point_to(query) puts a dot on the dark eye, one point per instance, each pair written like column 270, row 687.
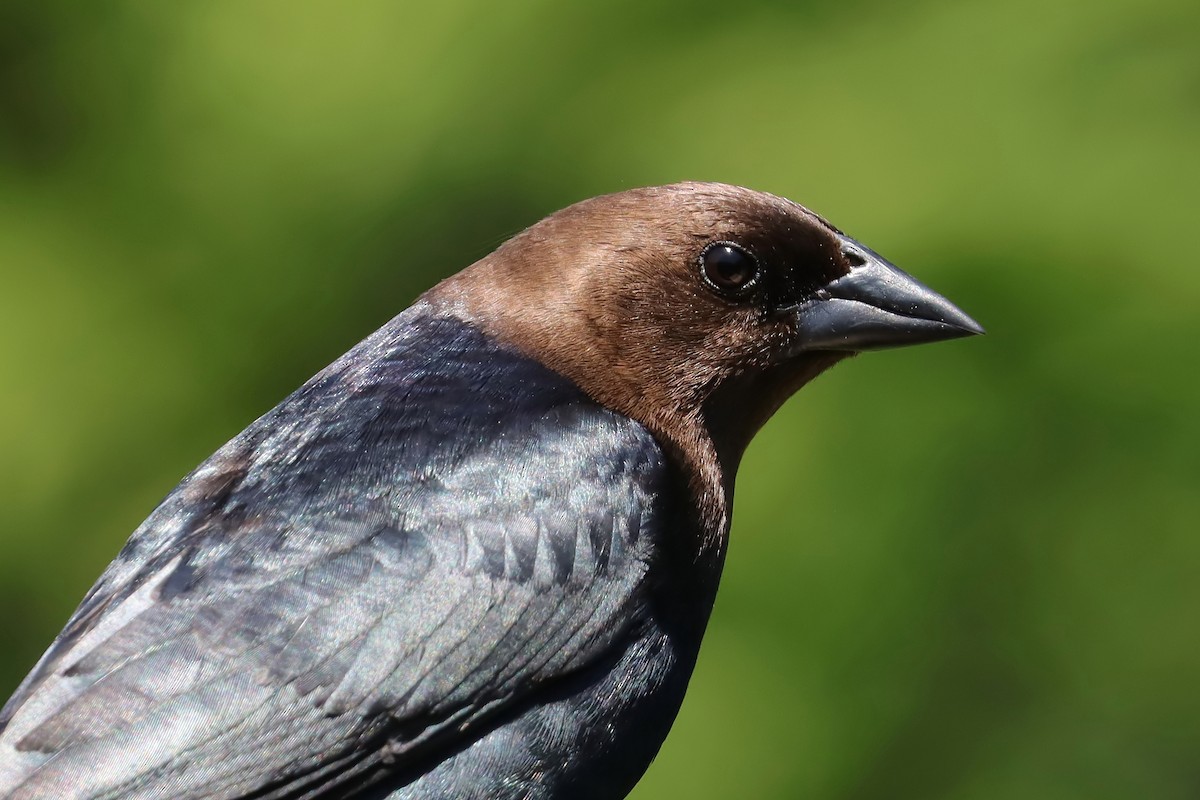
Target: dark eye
column 728, row 268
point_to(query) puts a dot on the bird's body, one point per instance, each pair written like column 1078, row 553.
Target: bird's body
column 457, row 563
column 497, row 556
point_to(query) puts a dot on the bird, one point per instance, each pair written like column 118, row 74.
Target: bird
column 475, row 556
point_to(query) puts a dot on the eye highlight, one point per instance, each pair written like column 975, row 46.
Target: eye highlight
column 729, row 269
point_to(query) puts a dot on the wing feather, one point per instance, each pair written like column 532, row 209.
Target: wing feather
column 377, row 567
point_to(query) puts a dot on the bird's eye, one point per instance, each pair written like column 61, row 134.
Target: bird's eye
column 729, row 269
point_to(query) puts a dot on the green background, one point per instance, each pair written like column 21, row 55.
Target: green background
column 968, row 570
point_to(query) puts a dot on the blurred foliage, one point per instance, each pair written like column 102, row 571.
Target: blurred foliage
column 958, row 571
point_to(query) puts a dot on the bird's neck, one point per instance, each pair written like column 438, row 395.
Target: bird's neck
column 735, row 412
column 560, row 340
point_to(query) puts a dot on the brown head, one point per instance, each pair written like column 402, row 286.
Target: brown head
column 695, row 309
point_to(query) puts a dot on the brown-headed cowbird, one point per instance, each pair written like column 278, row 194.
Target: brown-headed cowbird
column 475, row 556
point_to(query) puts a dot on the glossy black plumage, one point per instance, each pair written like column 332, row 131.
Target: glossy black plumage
column 432, row 535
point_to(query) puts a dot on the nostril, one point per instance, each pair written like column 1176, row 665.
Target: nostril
column 855, row 258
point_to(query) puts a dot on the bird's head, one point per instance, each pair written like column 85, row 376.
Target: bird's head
column 695, row 308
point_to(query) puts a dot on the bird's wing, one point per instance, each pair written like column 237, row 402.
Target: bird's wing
column 340, row 591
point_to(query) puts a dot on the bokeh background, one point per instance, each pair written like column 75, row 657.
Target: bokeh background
column 969, row 570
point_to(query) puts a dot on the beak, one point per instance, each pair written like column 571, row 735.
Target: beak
column 877, row 306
